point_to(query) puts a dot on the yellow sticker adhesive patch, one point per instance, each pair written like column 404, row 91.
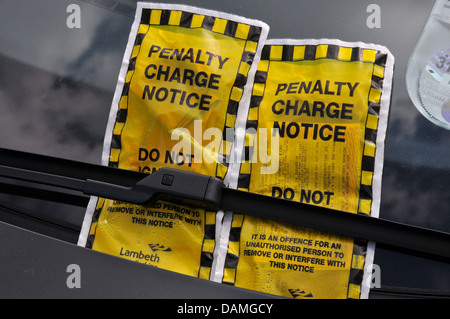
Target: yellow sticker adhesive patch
column 182, row 83
column 325, row 104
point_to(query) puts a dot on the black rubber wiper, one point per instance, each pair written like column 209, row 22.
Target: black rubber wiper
column 211, row 193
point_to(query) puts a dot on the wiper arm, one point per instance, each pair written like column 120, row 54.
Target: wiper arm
column 203, row 190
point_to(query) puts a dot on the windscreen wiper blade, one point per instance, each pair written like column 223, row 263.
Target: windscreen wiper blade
column 211, row 193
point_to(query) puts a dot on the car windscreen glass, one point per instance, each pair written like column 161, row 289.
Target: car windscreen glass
column 57, row 83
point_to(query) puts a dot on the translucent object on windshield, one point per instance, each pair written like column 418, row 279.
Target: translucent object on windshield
column 428, row 72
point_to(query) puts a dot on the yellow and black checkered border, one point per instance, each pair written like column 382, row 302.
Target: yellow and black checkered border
column 122, row 112
column 192, row 20
column 315, row 52
column 94, row 222
column 233, row 251
column 208, row 246
column 356, row 274
column 252, row 126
